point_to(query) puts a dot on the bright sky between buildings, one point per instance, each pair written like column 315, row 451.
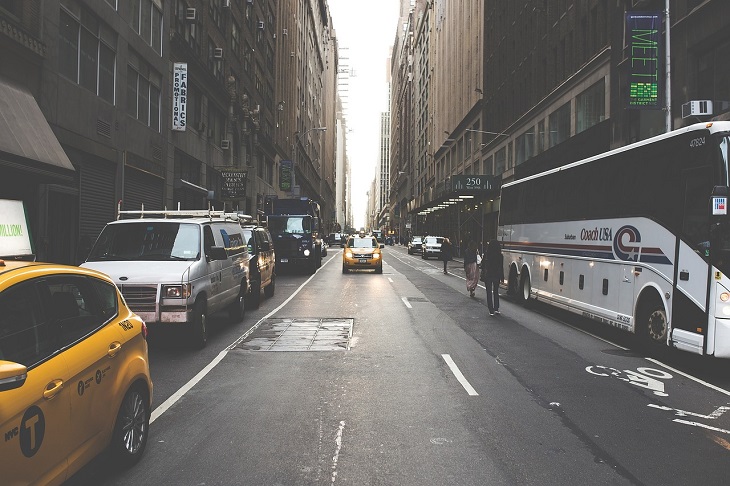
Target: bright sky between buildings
column 367, row 30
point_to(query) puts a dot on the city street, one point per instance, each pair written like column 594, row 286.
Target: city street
column 403, row 379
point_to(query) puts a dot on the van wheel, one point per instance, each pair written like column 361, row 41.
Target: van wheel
column 269, row 289
column 131, row 428
column 238, row 307
column 199, row 325
column 255, row 297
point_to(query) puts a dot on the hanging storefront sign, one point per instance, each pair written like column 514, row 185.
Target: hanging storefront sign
column 645, row 76
column 179, row 96
column 233, row 185
column 286, row 169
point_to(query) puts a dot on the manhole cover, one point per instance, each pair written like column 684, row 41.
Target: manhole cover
column 300, row 334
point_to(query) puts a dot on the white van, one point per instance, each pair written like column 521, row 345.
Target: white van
column 176, row 266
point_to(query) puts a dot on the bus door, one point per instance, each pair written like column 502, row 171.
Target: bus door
column 691, row 273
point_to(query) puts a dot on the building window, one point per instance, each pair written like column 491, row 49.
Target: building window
column 87, row 53
column 525, row 146
column 235, row 38
column 540, row 136
column 215, row 61
column 143, row 92
column 590, row 107
column 500, row 161
column 146, row 20
column 559, row 123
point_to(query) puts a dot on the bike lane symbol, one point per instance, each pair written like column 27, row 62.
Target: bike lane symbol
column 648, row 378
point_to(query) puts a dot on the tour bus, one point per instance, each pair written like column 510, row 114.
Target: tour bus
column 637, row 238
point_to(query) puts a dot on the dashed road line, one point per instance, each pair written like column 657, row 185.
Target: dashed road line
column 459, row 376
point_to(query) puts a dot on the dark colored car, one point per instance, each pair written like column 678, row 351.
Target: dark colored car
column 262, row 262
column 415, row 245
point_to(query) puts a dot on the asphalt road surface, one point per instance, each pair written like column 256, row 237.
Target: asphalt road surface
column 403, row 379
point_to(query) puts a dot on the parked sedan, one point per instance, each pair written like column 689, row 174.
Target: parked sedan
column 415, row 245
column 74, row 373
column 362, row 253
column 431, row 247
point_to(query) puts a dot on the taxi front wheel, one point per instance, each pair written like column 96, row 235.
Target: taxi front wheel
column 131, row 428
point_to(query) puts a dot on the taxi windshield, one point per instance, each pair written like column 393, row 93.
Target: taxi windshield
column 155, row 241
column 362, row 243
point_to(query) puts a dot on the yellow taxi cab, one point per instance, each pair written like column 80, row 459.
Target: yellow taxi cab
column 362, row 253
column 74, row 373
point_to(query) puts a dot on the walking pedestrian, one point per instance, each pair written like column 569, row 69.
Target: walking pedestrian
column 445, row 254
column 492, row 275
column 471, row 268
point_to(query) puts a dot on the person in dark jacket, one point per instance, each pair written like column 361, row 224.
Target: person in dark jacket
column 493, row 274
column 445, row 254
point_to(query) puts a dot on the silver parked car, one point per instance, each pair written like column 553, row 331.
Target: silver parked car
column 431, row 247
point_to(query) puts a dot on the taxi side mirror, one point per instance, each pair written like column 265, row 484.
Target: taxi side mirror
column 12, row 375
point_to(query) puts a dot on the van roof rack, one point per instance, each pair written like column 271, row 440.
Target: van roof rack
column 210, row 213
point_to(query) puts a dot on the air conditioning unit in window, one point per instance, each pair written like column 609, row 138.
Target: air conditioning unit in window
column 225, row 144
column 218, row 53
column 697, row 108
column 191, row 14
column 285, row 32
column 261, row 24
column 227, row 3
column 250, row 2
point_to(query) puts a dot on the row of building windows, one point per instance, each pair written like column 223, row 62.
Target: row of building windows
column 590, row 109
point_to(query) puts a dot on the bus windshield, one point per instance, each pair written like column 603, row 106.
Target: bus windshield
column 293, row 225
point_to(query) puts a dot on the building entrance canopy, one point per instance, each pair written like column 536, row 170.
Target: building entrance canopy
column 457, row 189
column 26, row 140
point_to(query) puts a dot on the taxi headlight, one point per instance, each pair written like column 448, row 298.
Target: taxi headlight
column 376, row 255
column 348, row 254
column 306, row 252
column 176, row 291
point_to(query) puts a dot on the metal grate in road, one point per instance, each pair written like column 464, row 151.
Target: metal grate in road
column 300, row 334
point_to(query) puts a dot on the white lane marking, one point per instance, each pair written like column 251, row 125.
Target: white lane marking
column 459, row 376
column 708, row 385
column 697, row 424
column 338, row 443
column 405, row 301
column 162, row 408
column 390, row 280
column 432, row 266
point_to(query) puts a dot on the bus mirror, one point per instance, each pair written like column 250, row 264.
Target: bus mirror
column 718, row 200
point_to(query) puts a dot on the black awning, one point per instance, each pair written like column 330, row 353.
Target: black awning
column 26, row 139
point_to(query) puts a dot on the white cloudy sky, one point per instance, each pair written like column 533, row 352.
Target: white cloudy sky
column 367, row 29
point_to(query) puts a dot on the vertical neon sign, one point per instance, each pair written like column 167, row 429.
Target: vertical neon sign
column 645, row 80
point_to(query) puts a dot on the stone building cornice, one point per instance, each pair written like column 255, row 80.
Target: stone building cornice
column 23, row 39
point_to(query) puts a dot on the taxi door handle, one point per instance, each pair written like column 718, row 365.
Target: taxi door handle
column 52, row 389
column 114, row 349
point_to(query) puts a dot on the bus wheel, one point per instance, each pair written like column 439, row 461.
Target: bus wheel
column 512, row 288
column 653, row 323
column 525, row 288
